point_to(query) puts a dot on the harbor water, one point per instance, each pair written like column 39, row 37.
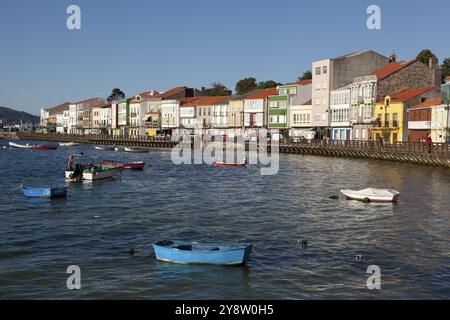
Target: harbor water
column 96, row 225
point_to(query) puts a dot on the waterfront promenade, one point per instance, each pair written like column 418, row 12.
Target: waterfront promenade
column 435, row 154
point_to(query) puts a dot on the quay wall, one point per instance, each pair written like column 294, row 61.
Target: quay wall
column 436, row 154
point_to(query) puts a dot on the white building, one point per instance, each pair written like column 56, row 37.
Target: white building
column 256, row 109
column 61, row 119
column 340, row 105
column 220, row 117
column 170, row 115
column 330, row 74
column 75, row 114
column 300, row 121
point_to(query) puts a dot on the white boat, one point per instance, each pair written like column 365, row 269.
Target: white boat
column 135, row 150
column 97, row 172
column 68, row 144
column 23, row 146
column 372, row 194
column 105, row 147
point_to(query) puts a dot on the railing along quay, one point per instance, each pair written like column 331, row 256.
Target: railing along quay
column 434, row 154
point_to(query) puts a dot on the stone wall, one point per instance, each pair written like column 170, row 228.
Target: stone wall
column 415, row 75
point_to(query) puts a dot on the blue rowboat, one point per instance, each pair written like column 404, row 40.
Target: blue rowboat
column 44, row 192
column 194, row 253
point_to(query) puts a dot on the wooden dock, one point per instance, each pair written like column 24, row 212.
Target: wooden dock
column 436, row 154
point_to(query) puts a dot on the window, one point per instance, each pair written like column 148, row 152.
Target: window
column 325, row 70
column 318, row 71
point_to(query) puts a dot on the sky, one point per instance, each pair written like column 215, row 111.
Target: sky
column 139, row 45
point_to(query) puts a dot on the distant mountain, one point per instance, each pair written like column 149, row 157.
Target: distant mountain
column 10, row 116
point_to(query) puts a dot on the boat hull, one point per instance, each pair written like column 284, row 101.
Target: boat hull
column 68, row 144
column 131, row 150
column 224, row 164
column 41, row 147
column 138, row 165
column 94, row 175
column 44, row 192
column 225, row 256
column 20, row 146
column 374, row 195
column 105, row 148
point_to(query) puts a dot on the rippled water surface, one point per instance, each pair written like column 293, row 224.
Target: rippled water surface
column 98, row 222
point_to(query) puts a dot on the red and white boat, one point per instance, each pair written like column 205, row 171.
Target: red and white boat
column 134, row 165
column 228, row 164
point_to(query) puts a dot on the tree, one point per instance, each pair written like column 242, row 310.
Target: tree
column 267, row 84
column 307, row 75
column 445, row 68
column 116, row 95
column 218, row 89
column 425, row 55
column 245, row 85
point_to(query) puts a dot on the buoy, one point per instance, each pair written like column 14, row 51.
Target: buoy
column 131, row 252
column 303, row 242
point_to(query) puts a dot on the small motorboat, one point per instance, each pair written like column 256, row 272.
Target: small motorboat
column 228, row 164
column 134, row 165
column 68, row 144
column 21, row 146
column 44, row 192
column 105, row 148
column 91, row 172
column 372, row 195
column 135, row 150
column 44, row 147
column 194, row 253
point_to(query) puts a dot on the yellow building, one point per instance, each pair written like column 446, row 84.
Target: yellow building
column 391, row 115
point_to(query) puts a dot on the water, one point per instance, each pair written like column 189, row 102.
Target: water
column 98, row 222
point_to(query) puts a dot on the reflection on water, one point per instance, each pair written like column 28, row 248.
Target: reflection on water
column 99, row 221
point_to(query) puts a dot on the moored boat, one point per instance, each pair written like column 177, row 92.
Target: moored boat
column 68, row 144
column 44, row 147
column 22, row 146
column 135, row 150
column 44, row 192
column 228, row 164
column 91, row 173
column 105, row 148
column 372, row 194
column 195, row 253
column 134, row 165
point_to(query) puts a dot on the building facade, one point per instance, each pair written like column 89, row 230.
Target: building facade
column 340, row 101
column 330, row 74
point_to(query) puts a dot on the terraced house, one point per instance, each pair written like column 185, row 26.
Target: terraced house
column 255, row 110
column 391, row 124
column 391, row 78
column 78, row 120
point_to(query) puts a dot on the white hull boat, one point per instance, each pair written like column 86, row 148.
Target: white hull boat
column 135, row 150
column 94, row 174
column 372, row 194
column 68, row 144
column 107, row 148
column 22, row 146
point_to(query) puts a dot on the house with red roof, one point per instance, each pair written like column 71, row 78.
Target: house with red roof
column 387, row 80
column 419, row 119
column 391, row 113
column 256, row 110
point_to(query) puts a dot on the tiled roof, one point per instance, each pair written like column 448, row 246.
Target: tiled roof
column 391, row 68
column 301, row 82
column 263, row 94
column 59, row 108
column 204, row 101
column 408, row 94
column 87, row 100
column 429, row 103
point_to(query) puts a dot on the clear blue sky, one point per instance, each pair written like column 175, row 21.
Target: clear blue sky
column 141, row 45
